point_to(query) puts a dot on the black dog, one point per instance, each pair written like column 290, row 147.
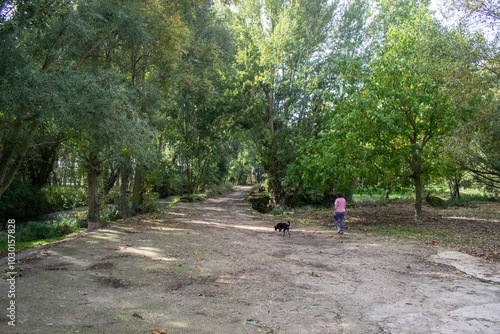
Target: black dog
column 283, row 226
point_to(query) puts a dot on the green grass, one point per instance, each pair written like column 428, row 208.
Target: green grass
column 429, row 235
column 35, row 233
column 213, row 191
column 174, row 200
column 34, row 243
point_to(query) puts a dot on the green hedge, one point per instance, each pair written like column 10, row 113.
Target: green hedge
column 22, row 200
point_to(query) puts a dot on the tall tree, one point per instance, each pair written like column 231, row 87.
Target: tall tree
column 282, row 48
column 29, row 34
column 475, row 144
column 101, row 121
column 83, row 65
column 476, row 14
column 197, row 130
column 322, row 167
column 405, row 109
column 144, row 56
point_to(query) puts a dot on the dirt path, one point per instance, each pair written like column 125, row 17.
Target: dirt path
column 218, row 267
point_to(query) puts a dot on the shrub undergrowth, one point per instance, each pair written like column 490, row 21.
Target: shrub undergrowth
column 22, row 200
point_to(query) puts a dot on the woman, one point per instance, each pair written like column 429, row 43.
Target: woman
column 339, row 215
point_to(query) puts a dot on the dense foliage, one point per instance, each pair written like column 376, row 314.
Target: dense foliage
column 311, row 97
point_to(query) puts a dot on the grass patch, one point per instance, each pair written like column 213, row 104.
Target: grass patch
column 35, row 234
column 193, row 198
column 211, row 192
column 38, row 231
column 174, row 200
column 218, row 190
column 418, row 233
column 34, row 243
column 473, row 229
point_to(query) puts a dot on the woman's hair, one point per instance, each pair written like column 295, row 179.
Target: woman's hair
column 339, row 195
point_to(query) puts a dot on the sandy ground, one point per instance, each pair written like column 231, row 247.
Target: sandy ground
column 219, row 267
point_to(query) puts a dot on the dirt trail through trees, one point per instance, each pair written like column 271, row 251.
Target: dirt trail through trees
column 218, row 267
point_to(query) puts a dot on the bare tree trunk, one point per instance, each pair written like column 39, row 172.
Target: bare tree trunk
column 189, row 175
column 416, row 169
column 110, row 181
column 201, row 183
column 454, row 184
column 418, row 196
column 12, row 156
column 137, row 191
column 94, row 216
column 125, row 177
column 349, row 196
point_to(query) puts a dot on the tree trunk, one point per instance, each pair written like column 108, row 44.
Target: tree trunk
column 202, row 181
column 41, row 171
column 349, row 196
column 137, row 191
column 123, row 191
column 12, row 156
column 110, row 181
column 418, row 196
column 189, row 178
column 454, row 184
column 94, row 216
column 457, row 188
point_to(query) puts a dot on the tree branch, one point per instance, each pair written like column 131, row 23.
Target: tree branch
column 95, row 46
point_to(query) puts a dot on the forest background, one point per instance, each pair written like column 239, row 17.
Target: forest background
column 123, row 102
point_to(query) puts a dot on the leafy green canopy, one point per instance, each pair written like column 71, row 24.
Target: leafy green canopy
column 30, row 88
column 289, row 56
column 81, row 67
column 404, row 110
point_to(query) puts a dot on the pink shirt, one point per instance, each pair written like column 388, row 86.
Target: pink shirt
column 340, row 205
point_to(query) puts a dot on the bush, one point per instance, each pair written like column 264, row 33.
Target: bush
column 259, row 201
column 150, row 202
column 34, row 230
column 219, row 190
column 110, row 213
column 80, row 218
column 435, row 201
column 193, row 198
column 466, row 200
column 113, row 197
column 22, row 200
column 64, row 198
